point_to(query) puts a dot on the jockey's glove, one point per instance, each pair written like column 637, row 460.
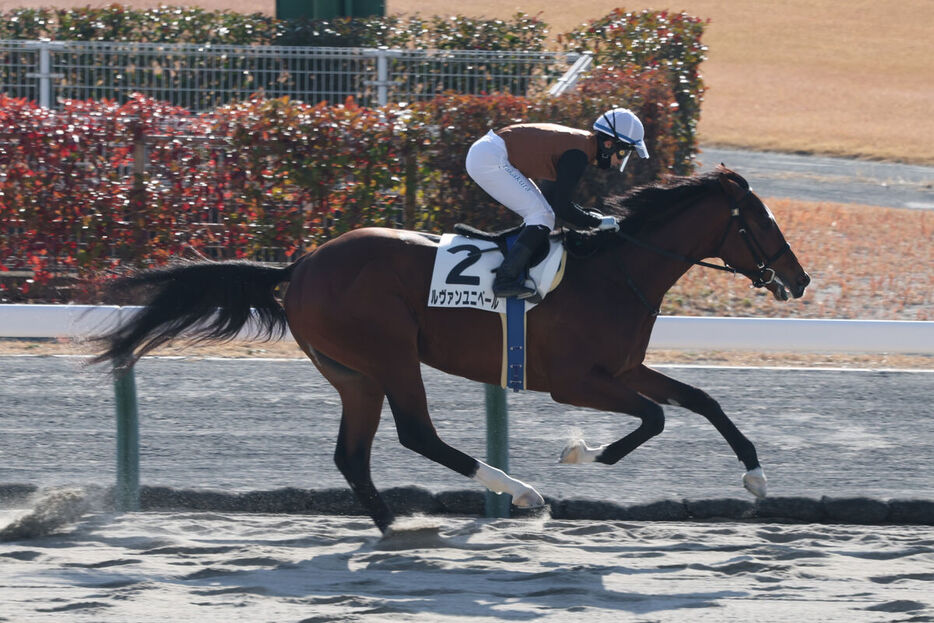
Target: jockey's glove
column 608, row 223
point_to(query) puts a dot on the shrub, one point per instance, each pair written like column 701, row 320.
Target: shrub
column 178, row 24
column 264, row 179
column 648, row 94
column 659, row 40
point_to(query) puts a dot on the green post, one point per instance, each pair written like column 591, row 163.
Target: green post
column 497, row 446
column 126, row 495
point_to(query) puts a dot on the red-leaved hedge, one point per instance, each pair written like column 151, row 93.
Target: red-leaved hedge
column 96, row 185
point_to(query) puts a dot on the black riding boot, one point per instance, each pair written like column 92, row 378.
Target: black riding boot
column 510, row 276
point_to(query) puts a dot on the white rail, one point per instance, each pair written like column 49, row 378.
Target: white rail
column 671, row 332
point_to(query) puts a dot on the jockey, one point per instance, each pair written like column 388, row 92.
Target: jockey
column 504, row 163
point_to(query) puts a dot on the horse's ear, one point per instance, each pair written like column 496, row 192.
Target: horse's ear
column 727, row 180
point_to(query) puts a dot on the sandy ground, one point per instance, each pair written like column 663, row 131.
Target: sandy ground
column 250, row 567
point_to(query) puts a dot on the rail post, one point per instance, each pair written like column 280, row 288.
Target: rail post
column 497, row 446
column 126, row 494
column 382, row 82
column 45, row 74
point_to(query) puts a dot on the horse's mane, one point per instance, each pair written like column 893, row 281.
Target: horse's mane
column 652, row 205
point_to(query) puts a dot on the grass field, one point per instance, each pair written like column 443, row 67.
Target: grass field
column 865, row 262
column 815, row 76
column 854, row 78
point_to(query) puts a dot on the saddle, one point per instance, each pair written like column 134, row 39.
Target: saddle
column 499, row 239
column 578, row 244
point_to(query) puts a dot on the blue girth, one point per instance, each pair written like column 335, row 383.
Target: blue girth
column 515, row 338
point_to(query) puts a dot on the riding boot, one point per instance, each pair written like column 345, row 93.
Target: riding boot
column 510, row 276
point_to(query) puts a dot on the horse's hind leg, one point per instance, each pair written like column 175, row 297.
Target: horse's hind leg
column 406, row 394
column 362, row 400
column 601, row 391
column 667, row 390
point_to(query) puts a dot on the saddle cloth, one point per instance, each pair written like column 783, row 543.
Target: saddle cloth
column 463, row 273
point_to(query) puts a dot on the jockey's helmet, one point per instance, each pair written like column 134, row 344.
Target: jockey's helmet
column 619, row 132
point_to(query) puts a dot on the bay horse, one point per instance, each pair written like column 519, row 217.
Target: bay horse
column 358, row 307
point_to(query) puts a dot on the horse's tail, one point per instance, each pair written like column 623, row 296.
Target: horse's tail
column 207, row 301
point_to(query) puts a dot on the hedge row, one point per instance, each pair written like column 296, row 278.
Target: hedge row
column 267, row 179
column 621, row 40
column 669, row 42
column 177, row 24
column 271, row 178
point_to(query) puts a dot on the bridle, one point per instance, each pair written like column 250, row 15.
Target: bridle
column 761, row 276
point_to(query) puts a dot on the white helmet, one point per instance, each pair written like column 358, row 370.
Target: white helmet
column 624, row 126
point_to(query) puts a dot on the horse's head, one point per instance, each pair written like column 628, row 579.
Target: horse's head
column 754, row 245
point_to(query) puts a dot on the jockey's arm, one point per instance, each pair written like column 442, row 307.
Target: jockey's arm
column 569, row 169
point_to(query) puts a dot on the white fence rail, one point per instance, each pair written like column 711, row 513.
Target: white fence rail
column 671, row 332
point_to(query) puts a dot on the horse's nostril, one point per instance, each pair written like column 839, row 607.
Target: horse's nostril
column 804, row 280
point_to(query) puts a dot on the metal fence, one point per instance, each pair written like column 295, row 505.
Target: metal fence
column 201, row 77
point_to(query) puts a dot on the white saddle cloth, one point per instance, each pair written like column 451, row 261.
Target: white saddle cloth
column 463, row 273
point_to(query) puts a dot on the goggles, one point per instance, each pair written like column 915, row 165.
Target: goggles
column 623, row 151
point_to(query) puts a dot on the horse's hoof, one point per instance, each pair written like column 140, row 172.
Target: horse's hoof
column 755, row 483
column 578, row 452
column 573, row 452
column 529, row 499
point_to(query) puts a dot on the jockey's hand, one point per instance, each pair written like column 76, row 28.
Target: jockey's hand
column 594, row 213
column 608, row 223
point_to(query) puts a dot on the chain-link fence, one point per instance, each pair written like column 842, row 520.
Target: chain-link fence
column 201, row 77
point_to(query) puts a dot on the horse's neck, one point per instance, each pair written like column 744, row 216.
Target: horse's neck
column 692, row 235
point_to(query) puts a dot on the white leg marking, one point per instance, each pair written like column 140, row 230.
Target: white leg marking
column 498, row 481
column 578, row 452
column 755, row 483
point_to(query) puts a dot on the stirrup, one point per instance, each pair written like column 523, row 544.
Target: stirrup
column 516, row 289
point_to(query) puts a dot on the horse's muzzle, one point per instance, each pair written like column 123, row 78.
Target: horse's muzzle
column 800, row 285
column 783, row 288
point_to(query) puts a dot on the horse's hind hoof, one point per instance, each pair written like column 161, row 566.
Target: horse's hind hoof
column 578, row 452
column 755, row 483
column 573, row 452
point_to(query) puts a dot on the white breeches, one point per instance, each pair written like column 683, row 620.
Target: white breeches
column 488, row 165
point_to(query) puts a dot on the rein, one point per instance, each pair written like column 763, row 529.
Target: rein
column 762, row 276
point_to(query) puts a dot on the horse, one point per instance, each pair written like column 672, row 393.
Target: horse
column 358, row 308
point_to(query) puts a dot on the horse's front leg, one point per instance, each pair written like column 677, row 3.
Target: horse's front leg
column 667, row 390
column 599, row 390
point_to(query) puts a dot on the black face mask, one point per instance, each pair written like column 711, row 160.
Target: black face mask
column 607, row 147
column 605, row 150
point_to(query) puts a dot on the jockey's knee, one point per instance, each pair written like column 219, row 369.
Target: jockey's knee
column 545, row 218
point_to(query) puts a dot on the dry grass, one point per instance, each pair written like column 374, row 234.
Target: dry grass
column 852, row 78
column 817, row 76
column 865, row 262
